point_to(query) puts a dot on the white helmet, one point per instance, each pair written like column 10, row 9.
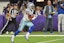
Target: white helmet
column 30, row 4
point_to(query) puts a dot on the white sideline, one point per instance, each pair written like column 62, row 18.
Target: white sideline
column 51, row 40
column 33, row 35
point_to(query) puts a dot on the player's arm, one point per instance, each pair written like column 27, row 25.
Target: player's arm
column 44, row 11
column 62, row 6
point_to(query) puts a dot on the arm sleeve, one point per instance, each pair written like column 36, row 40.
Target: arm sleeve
column 44, row 10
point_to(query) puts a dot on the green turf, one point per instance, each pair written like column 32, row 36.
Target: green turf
column 41, row 33
column 32, row 39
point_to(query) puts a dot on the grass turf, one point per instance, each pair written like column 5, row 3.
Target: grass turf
column 33, row 39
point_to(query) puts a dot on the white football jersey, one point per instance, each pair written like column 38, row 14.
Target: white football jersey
column 25, row 14
column 13, row 13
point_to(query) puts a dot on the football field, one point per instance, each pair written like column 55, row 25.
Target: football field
column 33, row 38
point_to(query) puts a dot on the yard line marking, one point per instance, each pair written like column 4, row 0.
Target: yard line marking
column 32, row 35
column 51, row 40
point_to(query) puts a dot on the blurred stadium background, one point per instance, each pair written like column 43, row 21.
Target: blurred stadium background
column 42, row 3
column 43, row 38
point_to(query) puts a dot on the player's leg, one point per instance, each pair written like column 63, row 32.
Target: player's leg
column 31, row 28
column 21, row 26
column 6, row 27
column 51, row 25
column 28, row 33
column 16, row 24
column 59, row 21
column 63, row 23
column 46, row 25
